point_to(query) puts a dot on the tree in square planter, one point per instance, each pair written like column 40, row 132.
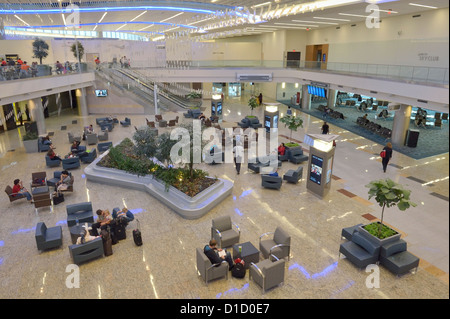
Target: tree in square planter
column 30, row 142
column 387, row 193
column 292, row 123
column 253, row 104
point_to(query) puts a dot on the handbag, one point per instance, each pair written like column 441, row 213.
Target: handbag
column 58, row 199
column 383, row 154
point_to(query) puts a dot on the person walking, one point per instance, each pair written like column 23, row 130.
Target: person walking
column 238, row 151
column 325, row 128
column 386, row 155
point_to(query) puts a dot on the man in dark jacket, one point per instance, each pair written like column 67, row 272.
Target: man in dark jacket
column 212, row 252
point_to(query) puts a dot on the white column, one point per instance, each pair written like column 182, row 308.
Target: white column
column 155, row 97
column 2, row 118
column 37, row 114
column 306, row 98
column 332, row 94
column 401, row 124
column 82, row 102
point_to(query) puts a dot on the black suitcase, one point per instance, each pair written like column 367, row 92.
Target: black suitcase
column 107, row 243
column 58, row 199
column 238, row 271
column 137, row 236
column 120, row 231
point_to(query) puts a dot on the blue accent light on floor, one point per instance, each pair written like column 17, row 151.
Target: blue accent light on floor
column 83, row 176
column 2, row 243
column 137, row 211
column 238, row 212
column 23, row 230
column 323, row 273
column 246, row 193
column 233, row 290
column 1, row 261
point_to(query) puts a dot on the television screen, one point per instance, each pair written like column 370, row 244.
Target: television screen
column 316, row 169
column 275, row 121
column 101, row 92
column 219, row 108
column 213, row 110
column 309, row 89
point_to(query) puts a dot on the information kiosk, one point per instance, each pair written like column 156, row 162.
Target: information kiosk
column 271, row 116
column 217, row 106
column 320, row 164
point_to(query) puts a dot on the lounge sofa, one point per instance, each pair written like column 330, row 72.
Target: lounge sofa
column 71, row 163
column 90, row 156
column 88, row 251
column 103, row 147
column 273, row 182
column 126, row 122
column 395, row 257
column 293, row 176
column 296, row 155
column 48, row 238
column 79, row 213
column 244, row 123
column 192, row 113
column 263, row 161
column 55, row 179
column 52, row 162
column 360, row 251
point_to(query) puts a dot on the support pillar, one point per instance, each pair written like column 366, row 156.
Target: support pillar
column 37, row 114
column 332, row 95
column 400, row 127
column 3, row 118
column 82, row 102
column 306, row 98
column 155, row 97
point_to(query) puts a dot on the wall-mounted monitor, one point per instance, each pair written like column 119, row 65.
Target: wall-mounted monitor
column 219, row 108
column 101, row 93
column 316, row 169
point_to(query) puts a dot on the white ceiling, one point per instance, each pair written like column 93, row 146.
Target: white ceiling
column 142, row 21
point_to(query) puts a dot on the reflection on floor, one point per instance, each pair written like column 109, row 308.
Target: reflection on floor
column 165, row 266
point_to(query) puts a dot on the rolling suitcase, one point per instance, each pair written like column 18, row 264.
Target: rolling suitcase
column 137, row 236
column 107, row 242
column 120, row 231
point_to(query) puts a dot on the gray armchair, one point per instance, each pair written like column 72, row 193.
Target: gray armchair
column 91, row 139
column 88, row 251
column 207, row 270
column 103, row 136
column 268, row 274
column 73, row 137
column 279, row 245
column 81, row 213
column 293, row 176
column 47, row 238
column 397, row 259
column 360, row 251
column 296, row 155
column 222, row 231
column 103, row 147
column 273, row 182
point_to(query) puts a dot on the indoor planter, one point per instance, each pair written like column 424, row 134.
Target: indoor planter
column 387, row 193
column 253, row 104
column 30, row 142
column 292, row 123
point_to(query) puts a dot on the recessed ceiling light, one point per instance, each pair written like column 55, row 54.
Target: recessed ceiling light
column 332, row 19
column 422, row 5
column 314, row 22
column 353, row 15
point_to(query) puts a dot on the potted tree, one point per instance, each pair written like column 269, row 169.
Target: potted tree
column 40, row 51
column 30, row 142
column 78, row 52
column 253, row 104
column 387, row 193
column 292, row 123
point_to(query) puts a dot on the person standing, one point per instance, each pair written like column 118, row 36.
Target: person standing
column 289, row 111
column 325, row 128
column 238, row 152
column 386, row 155
column 260, row 98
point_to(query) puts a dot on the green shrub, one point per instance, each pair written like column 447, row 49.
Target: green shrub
column 30, row 136
column 385, row 231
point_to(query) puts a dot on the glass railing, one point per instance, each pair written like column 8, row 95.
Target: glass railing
column 430, row 75
column 21, row 72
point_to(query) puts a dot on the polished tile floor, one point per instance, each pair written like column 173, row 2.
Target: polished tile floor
column 165, row 266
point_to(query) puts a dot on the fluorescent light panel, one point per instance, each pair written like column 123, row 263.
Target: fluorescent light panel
column 346, row 20
column 422, row 5
column 320, row 22
column 103, row 16
column 21, row 19
column 178, row 14
column 138, row 15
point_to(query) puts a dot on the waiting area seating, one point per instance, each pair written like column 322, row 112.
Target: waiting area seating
column 79, row 213
column 395, row 257
column 103, row 136
column 41, row 146
column 73, row 137
column 192, row 113
column 223, row 232
column 374, row 127
column 296, row 155
column 9, row 192
column 209, row 271
column 47, row 238
column 264, row 161
column 103, row 147
column 360, row 251
column 279, row 245
column 52, row 162
column 90, row 156
column 273, row 182
column 91, row 139
column 87, row 251
column 252, row 122
column 293, row 176
column 267, row 273
column 126, row 122
column 71, row 163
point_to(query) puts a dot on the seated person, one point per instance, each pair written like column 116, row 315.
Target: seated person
column 19, row 191
column 202, row 117
column 281, row 149
column 274, row 173
column 74, row 148
column 103, row 220
column 47, row 141
column 85, row 236
column 63, row 184
column 124, row 213
column 53, row 156
column 212, row 252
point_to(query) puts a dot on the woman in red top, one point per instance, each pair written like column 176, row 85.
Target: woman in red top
column 281, row 149
column 53, row 156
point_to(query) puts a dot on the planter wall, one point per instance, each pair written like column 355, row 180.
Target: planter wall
column 187, row 207
column 31, row 146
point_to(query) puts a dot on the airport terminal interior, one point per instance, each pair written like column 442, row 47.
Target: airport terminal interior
column 375, row 71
